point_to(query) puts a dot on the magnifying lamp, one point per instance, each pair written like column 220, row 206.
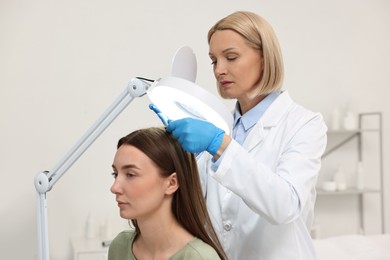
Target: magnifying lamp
column 176, row 96
column 179, row 98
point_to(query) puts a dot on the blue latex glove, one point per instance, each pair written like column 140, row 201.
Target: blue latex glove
column 164, row 119
column 196, row 135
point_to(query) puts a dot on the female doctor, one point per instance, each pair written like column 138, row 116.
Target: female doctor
column 260, row 184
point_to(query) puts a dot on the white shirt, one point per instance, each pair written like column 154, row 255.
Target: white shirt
column 261, row 196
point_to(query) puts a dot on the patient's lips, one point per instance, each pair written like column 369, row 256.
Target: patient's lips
column 121, row 204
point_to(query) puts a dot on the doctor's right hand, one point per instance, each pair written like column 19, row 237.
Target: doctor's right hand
column 196, row 135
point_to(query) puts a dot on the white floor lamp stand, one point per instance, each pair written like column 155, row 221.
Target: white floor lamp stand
column 44, row 181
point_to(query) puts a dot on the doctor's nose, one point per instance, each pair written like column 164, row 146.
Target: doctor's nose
column 219, row 69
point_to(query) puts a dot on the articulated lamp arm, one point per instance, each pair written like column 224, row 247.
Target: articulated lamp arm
column 44, row 181
column 177, row 96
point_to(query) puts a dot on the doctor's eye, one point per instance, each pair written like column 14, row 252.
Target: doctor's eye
column 231, row 58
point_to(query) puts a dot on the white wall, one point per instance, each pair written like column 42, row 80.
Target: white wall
column 63, row 62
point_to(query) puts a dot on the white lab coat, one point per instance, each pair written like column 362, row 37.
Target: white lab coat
column 262, row 196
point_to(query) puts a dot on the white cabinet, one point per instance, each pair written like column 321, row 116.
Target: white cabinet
column 364, row 146
column 89, row 249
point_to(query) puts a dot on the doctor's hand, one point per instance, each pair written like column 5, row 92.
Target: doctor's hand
column 196, row 135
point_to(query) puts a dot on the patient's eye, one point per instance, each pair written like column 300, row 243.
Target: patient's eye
column 129, row 175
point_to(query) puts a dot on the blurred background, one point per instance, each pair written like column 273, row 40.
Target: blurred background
column 62, row 63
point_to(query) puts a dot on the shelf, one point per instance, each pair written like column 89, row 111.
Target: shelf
column 348, row 135
column 349, row 191
column 367, row 123
column 356, row 131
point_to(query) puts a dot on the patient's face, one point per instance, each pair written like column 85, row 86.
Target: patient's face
column 138, row 186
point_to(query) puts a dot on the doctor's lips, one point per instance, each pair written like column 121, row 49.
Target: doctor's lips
column 225, row 83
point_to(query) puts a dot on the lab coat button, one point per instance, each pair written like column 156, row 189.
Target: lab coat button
column 227, row 226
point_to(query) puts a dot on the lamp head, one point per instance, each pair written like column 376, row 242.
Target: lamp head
column 184, row 64
column 179, row 97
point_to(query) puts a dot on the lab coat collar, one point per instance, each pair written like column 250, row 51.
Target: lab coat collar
column 276, row 110
column 270, row 119
column 250, row 118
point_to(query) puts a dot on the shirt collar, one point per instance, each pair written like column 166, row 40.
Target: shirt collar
column 251, row 117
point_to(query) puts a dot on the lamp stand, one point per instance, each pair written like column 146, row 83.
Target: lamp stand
column 44, row 181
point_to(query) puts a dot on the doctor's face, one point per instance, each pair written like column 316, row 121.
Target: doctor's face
column 139, row 187
column 237, row 66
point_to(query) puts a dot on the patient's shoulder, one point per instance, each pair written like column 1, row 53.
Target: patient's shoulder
column 120, row 247
column 196, row 249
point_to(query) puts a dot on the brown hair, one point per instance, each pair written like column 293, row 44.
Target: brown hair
column 259, row 34
column 188, row 204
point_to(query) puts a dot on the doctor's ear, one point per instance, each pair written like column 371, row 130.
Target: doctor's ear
column 172, row 184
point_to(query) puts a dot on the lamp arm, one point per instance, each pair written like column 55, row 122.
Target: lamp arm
column 44, row 181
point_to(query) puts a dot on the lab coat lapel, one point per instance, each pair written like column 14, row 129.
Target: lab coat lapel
column 270, row 119
column 255, row 137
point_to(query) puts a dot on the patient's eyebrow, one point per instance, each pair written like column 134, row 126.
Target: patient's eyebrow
column 127, row 166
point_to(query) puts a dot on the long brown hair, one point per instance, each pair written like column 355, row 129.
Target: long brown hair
column 188, row 204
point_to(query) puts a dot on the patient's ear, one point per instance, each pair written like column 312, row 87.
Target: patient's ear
column 172, row 184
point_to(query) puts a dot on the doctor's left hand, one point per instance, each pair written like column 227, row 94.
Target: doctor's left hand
column 196, row 135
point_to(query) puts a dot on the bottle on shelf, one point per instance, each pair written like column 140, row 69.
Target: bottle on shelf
column 350, row 121
column 340, row 179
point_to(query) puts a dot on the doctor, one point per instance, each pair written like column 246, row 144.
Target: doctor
column 260, row 184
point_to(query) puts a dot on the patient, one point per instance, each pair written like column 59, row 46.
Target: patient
column 157, row 187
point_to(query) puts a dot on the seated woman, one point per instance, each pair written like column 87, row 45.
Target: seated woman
column 157, row 187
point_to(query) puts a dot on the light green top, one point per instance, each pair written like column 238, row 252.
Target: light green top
column 196, row 249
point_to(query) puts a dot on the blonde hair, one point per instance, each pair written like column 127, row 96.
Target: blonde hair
column 259, row 34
